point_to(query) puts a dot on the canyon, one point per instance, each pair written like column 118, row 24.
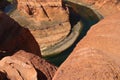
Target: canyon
column 36, row 36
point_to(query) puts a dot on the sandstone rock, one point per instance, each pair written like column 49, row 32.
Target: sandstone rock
column 43, row 10
column 96, row 56
column 46, row 19
column 26, row 66
column 18, row 70
column 44, row 69
column 104, row 7
column 13, row 37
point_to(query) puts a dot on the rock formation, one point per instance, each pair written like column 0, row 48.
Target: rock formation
column 13, row 37
column 26, row 66
column 96, row 56
column 22, row 65
column 104, row 7
column 45, row 19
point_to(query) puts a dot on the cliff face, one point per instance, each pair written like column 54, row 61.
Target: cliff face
column 43, row 10
column 46, row 19
column 96, row 56
column 20, row 56
column 105, row 7
column 13, row 37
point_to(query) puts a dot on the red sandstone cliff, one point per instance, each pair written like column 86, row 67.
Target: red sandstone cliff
column 22, row 65
column 46, row 19
column 97, row 55
column 13, row 37
column 104, row 7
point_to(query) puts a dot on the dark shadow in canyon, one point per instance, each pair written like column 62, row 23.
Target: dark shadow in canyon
column 75, row 17
column 8, row 6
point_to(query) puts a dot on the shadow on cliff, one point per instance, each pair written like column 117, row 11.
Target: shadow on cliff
column 77, row 13
column 13, row 38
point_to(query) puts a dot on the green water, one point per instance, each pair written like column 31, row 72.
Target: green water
column 77, row 13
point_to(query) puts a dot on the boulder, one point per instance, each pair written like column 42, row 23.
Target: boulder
column 26, row 66
column 97, row 55
column 13, row 37
column 17, row 69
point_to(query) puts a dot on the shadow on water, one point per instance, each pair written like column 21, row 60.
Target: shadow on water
column 73, row 18
column 86, row 16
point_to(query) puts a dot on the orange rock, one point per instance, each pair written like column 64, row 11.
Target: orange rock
column 46, row 19
column 104, row 7
column 26, row 66
column 44, row 69
column 97, row 55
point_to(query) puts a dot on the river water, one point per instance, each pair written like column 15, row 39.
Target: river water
column 74, row 17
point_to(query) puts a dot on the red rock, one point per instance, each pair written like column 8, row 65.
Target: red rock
column 97, row 55
column 44, row 69
column 26, row 66
column 16, row 69
column 13, row 37
column 104, row 7
column 46, row 19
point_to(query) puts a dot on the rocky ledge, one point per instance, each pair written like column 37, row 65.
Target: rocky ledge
column 47, row 20
column 104, row 7
column 26, row 66
column 96, row 56
column 20, row 56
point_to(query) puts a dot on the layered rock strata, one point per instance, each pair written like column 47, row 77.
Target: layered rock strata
column 47, row 20
column 96, row 56
column 104, row 7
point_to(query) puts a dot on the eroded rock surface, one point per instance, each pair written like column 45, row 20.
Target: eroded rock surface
column 104, row 7
column 97, row 55
column 26, row 66
column 46, row 19
column 13, row 37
